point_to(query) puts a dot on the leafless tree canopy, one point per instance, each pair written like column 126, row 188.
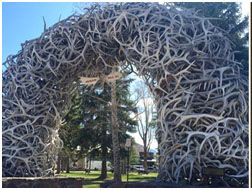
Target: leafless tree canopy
column 202, row 102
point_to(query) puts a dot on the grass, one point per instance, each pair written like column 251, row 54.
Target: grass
column 89, row 181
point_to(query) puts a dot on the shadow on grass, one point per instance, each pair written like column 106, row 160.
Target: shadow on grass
column 92, row 184
column 145, row 178
column 92, row 175
column 92, row 180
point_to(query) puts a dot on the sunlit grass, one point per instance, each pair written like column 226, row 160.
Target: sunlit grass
column 89, row 181
column 134, row 176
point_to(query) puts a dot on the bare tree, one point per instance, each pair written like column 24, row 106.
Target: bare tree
column 146, row 109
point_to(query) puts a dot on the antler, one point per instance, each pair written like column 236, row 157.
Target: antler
column 188, row 64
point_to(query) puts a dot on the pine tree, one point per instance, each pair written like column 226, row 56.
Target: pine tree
column 229, row 18
column 89, row 121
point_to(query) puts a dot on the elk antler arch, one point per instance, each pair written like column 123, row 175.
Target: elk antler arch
column 187, row 62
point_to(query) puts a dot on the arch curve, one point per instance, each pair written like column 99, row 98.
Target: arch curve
column 188, row 64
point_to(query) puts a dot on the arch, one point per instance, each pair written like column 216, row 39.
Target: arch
column 187, row 62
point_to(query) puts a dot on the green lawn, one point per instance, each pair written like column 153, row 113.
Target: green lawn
column 89, row 183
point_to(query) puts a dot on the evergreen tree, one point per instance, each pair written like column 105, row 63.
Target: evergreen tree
column 229, row 18
column 88, row 122
column 134, row 157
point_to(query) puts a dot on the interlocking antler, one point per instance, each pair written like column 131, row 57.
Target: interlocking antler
column 188, row 64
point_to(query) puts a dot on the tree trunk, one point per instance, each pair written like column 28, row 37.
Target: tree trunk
column 67, row 165
column 104, row 169
column 84, row 163
column 145, row 158
column 58, row 164
column 104, row 155
column 90, row 162
column 87, row 163
column 115, row 139
column 63, row 163
column 124, row 165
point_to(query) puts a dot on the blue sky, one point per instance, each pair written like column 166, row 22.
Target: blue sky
column 24, row 21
